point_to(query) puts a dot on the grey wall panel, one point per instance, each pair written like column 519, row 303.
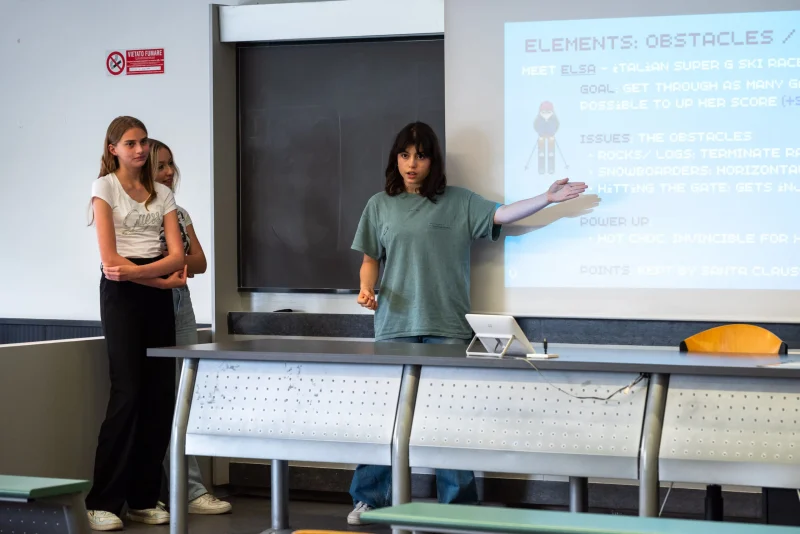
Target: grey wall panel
column 53, row 399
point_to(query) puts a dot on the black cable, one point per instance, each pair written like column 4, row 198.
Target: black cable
column 603, row 399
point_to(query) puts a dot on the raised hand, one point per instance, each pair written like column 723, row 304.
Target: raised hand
column 563, row 190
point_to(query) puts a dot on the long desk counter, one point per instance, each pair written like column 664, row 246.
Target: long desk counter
column 640, row 414
column 622, row 360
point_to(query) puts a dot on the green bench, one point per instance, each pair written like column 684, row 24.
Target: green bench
column 455, row 518
column 67, row 494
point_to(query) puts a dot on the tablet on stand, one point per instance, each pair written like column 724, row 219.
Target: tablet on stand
column 498, row 336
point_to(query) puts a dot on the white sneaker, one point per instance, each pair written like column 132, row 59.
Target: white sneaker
column 209, row 505
column 105, row 521
column 354, row 517
column 150, row 516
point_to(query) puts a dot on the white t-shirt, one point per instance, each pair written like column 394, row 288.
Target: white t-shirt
column 137, row 227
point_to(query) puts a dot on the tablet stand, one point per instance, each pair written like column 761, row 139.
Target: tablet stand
column 503, row 344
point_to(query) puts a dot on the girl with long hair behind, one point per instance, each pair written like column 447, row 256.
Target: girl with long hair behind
column 129, row 209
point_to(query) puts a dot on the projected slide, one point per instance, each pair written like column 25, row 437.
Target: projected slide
column 687, row 130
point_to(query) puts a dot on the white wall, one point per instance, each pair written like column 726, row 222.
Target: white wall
column 55, row 104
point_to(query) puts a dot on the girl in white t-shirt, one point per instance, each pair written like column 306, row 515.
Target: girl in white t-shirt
column 165, row 171
column 129, row 209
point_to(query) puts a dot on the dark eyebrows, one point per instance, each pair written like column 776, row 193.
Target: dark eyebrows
column 141, row 141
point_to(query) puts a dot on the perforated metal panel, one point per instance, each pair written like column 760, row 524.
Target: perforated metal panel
column 32, row 518
column 513, row 421
column 294, row 411
column 728, row 430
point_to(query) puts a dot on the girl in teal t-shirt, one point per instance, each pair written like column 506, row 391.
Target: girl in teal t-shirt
column 421, row 229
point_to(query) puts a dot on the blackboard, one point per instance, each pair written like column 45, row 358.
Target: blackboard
column 316, row 124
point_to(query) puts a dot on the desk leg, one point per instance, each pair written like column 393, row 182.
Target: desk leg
column 178, row 479
column 74, row 508
column 280, row 497
column 401, row 437
column 649, row 483
column 578, row 494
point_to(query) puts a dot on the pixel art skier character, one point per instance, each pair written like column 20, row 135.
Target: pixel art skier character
column 546, row 125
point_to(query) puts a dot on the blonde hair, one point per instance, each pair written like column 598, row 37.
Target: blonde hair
column 155, row 146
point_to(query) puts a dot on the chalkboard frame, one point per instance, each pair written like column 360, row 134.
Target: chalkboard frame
column 239, row 125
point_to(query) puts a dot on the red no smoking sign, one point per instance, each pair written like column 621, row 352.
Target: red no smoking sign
column 135, row 62
column 115, row 63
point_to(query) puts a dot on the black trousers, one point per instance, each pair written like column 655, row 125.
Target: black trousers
column 136, row 431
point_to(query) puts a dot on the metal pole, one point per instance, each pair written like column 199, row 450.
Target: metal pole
column 651, row 444
column 178, row 480
column 280, row 495
column 578, row 494
column 401, row 437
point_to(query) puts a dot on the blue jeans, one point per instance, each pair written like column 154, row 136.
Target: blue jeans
column 372, row 484
column 185, row 323
column 185, row 334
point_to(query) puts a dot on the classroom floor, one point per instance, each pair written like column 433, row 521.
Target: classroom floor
column 251, row 515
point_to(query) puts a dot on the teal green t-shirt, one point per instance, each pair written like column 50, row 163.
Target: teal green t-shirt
column 425, row 250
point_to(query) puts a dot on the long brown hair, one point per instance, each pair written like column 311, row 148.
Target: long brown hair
column 423, row 138
column 110, row 163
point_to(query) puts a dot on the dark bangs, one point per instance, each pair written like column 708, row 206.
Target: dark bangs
column 424, row 140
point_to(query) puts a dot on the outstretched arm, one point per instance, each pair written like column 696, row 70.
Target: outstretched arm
column 561, row 191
